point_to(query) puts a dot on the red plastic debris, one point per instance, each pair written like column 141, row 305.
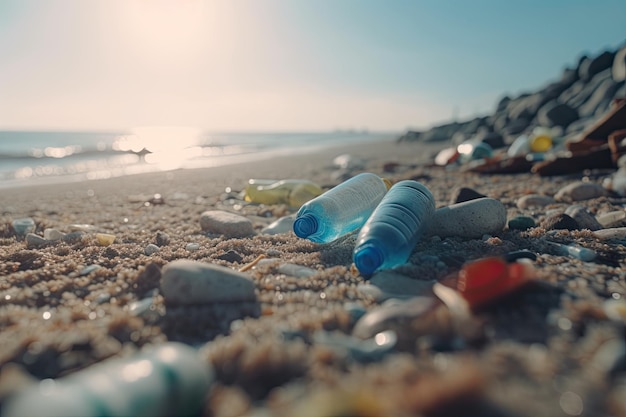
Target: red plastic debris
column 485, row 280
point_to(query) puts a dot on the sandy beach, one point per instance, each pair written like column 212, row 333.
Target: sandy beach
column 554, row 348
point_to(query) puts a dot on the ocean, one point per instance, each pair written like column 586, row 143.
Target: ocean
column 29, row 157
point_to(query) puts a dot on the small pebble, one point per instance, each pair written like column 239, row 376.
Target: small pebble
column 151, row 249
column 582, row 216
column 294, row 270
column 394, row 285
column 575, row 251
column 226, row 223
column 615, row 310
column 282, row 225
column 104, row 239
column 534, row 200
column 35, row 241
column 140, row 307
column 369, row 350
column 53, row 234
column 471, row 219
column 521, row 223
column 230, row 256
column 192, row 247
column 89, row 269
column 23, row 226
column 615, row 233
column 579, row 191
column 162, row 238
column 73, row 237
column 559, row 222
column 186, row 282
column 612, row 218
column 389, row 315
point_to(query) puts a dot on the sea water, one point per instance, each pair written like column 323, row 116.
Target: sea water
column 34, row 156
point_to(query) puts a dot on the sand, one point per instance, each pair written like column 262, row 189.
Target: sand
column 547, row 350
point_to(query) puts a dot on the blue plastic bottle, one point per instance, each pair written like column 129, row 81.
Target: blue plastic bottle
column 341, row 209
column 390, row 234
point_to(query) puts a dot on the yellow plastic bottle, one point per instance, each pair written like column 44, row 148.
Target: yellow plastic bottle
column 291, row 192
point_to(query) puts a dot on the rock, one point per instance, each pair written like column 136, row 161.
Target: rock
column 73, row 237
column 588, row 89
column 23, row 226
column 394, row 285
column 614, row 233
column 582, row 216
column 600, row 98
column 471, row 219
column 612, row 219
column 521, row 223
column 35, row 241
column 162, row 238
column 463, row 194
column 226, row 223
column 192, row 247
column 579, row 191
column 618, row 69
column 104, row 239
column 516, row 126
column 559, row 221
column 534, row 200
column 493, row 139
column 186, row 282
column 295, row 270
column 230, row 256
column 53, row 234
column 89, row 269
column 591, row 67
column 370, row 350
column 151, row 249
column 282, row 225
column 554, row 113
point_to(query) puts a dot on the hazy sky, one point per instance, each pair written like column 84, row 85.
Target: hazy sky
column 284, row 64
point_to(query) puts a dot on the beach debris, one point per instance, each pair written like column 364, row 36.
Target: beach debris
column 105, row 239
column 521, row 223
column 612, row 218
column 23, row 226
column 348, row 162
column 252, row 264
column 186, row 282
column 579, row 191
column 471, row 219
column 36, row 241
column 583, row 217
column 192, row 246
column 166, row 380
column 226, row 223
column 355, row 310
column 575, row 251
column 340, row 210
column 447, row 156
column 486, row 280
column 534, row 200
column 369, row 350
column 614, row 233
column 162, row 238
column 293, row 192
column 474, row 150
column 559, row 221
column 282, row 225
column 89, row 269
column 151, row 249
column 53, row 234
column 394, row 228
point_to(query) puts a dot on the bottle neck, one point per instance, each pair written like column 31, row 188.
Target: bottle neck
column 305, row 225
column 368, row 258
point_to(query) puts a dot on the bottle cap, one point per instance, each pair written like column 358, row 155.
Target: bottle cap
column 305, row 225
column 368, row 258
column 387, row 182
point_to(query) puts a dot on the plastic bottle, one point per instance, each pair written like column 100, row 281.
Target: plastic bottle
column 291, row 192
column 169, row 380
column 341, row 209
column 473, row 149
column 394, row 228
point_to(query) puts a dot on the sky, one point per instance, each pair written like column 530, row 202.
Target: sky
column 285, row 65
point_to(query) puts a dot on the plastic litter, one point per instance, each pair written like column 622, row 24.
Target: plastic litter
column 394, row 228
column 169, row 380
column 291, row 192
column 341, row 209
column 575, row 251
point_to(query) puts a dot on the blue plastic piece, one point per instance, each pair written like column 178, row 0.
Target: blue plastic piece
column 341, row 209
column 390, row 234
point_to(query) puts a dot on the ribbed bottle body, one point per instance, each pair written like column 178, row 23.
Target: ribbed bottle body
column 341, row 209
column 392, row 231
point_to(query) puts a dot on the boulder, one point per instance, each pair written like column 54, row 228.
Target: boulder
column 602, row 95
column 591, row 67
column 619, row 65
column 554, row 113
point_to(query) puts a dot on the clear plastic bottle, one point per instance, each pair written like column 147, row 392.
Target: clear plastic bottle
column 390, row 234
column 291, row 192
column 341, row 209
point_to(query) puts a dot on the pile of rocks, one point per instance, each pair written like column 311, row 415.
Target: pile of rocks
column 574, row 102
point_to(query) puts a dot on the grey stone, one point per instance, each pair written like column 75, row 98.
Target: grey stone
column 23, row 226
column 282, row 225
column 579, row 191
column 192, row 247
column 618, row 69
column 370, row 350
column 600, row 98
column 591, row 67
column 394, row 285
column 471, row 219
column 612, row 218
column 151, row 249
column 53, row 234
column 186, row 282
column 226, row 223
column 554, row 113
column 162, row 238
column 294, row 270
column 583, row 217
column 614, row 233
column 36, row 241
